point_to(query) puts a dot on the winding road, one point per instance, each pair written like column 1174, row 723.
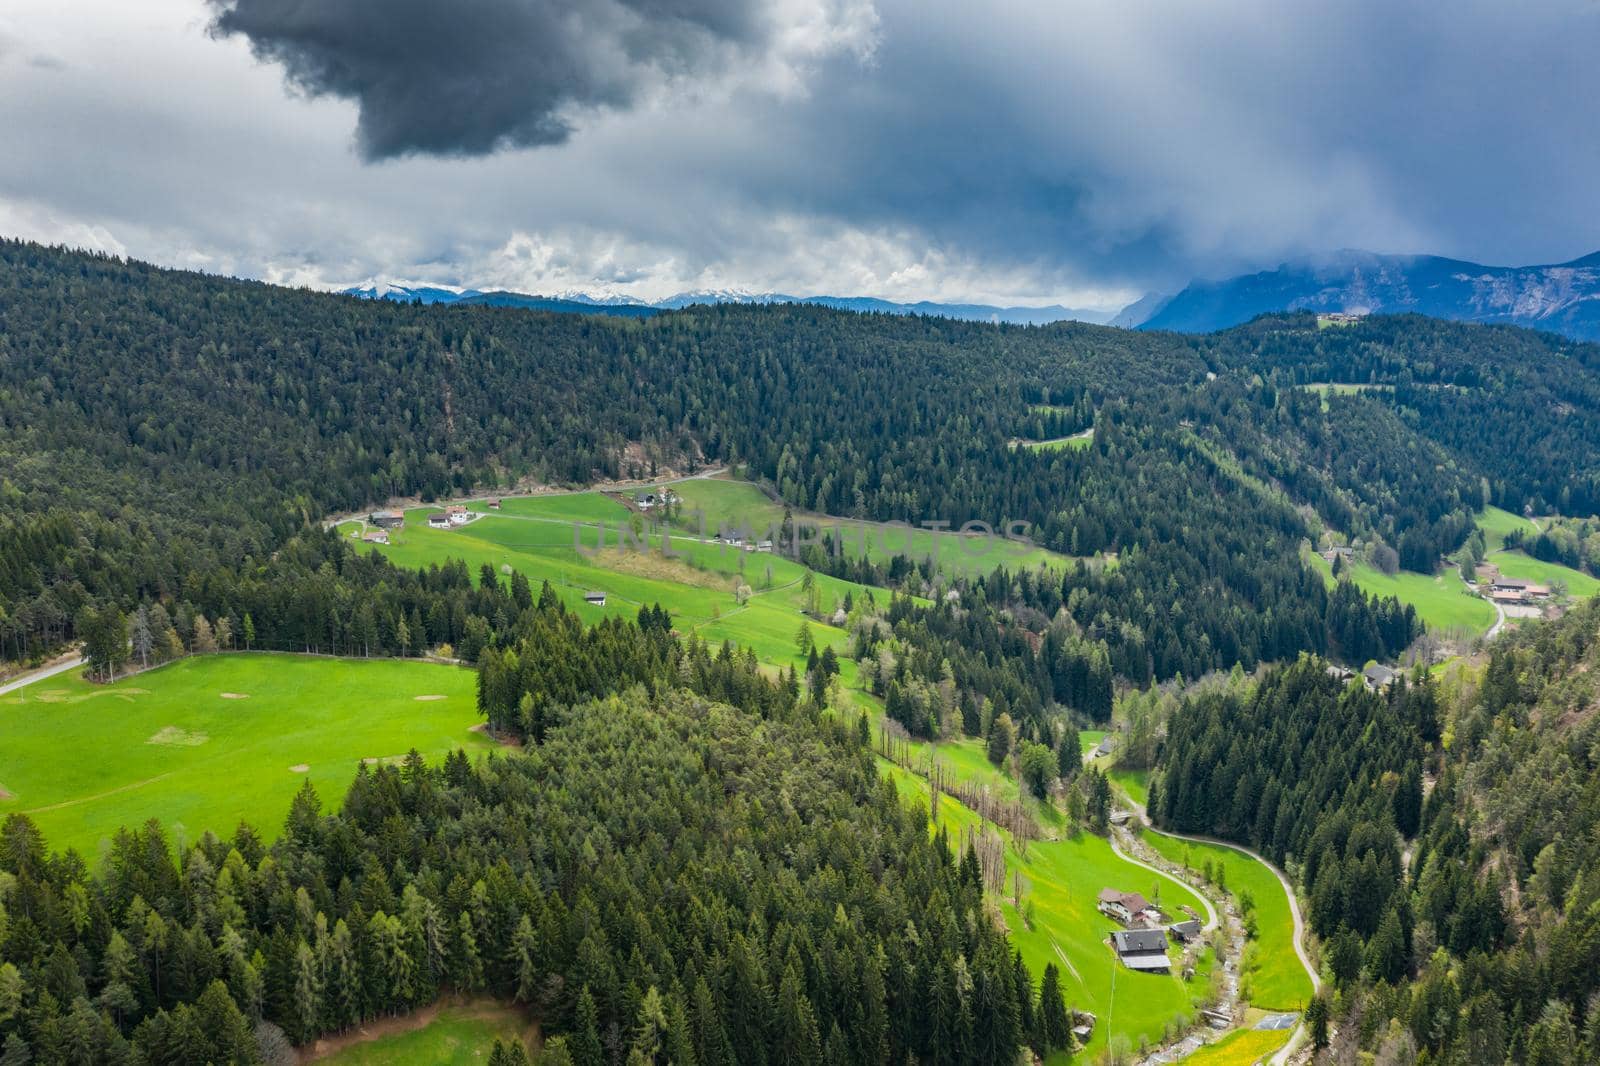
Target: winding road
column 1299, row 1036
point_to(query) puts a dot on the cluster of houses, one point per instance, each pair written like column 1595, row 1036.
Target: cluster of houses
column 453, row 515
column 1143, row 944
column 1509, row 590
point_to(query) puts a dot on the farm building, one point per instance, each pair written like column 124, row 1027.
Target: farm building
column 597, row 599
column 1183, row 932
column 376, row 536
column 1378, row 676
column 1509, row 584
column 1108, row 744
column 1340, row 673
column 647, row 501
column 1142, row 949
column 457, row 515
column 1126, row 907
column 387, row 519
column 494, row 504
column 438, row 520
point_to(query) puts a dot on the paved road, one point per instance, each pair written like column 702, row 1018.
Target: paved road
column 1299, row 1036
column 40, row 675
column 1211, row 912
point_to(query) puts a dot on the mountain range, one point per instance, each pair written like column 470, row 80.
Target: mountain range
column 583, row 303
column 1562, row 298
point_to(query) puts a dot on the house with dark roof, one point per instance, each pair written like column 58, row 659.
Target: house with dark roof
column 1378, row 676
column 596, row 599
column 387, row 519
column 1184, row 932
column 1142, row 949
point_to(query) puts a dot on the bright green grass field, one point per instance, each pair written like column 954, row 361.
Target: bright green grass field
column 535, row 535
column 1076, row 442
column 459, row 1036
column 82, row 760
column 1442, row 601
column 1496, row 523
column 1136, row 783
column 1089, row 739
column 1273, row 976
column 1242, row 1047
column 740, row 505
column 1519, row 564
column 1062, row 879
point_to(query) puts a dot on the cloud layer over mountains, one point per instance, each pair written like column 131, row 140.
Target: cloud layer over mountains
column 1010, row 152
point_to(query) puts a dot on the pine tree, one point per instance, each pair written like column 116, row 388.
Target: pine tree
column 585, row 1044
column 1054, row 1025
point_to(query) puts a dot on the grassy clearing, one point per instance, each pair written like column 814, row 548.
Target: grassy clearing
column 741, row 505
column 1062, row 879
column 177, row 744
column 1136, row 783
column 1076, row 442
column 1243, row 1047
column 1519, row 564
column 1496, row 524
column 1441, row 600
column 455, row 1036
column 1089, row 739
column 1272, row 975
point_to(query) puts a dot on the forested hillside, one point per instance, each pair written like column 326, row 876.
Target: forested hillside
column 694, row 861
column 667, row 878
column 1443, row 832
column 160, row 427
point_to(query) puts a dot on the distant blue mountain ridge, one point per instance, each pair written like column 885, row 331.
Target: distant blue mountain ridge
column 1561, row 298
column 614, row 305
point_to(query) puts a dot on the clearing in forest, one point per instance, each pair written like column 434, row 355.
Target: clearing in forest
column 169, row 744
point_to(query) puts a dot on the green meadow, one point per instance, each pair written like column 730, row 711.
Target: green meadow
column 558, row 539
column 1076, row 442
column 209, row 741
column 1442, row 600
column 456, row 1036
column 724, row 503
column 1271, row 977
column 1242, row 1047
column 1496, row 524
column 1521, row 565
column 1059, row 924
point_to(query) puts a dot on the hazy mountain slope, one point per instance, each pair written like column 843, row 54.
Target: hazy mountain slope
column 1563, row 298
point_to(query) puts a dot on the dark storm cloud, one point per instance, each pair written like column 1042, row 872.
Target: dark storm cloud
column 467, row 77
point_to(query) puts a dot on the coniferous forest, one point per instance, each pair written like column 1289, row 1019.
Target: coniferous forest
column 688, row 838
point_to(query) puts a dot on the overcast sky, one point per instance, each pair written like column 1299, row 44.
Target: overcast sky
column 1057, row 151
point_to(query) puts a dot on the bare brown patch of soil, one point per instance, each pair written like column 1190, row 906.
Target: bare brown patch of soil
column 299, row 768
column 234, row 695
column 425, row 699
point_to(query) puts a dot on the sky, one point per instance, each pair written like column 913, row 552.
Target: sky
column 1072, row 152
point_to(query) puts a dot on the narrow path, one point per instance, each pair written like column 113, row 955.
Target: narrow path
column 1499, row 614
column 614, row 486
column 39, row 675
column 1300, row 1035
column 1211, row 912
